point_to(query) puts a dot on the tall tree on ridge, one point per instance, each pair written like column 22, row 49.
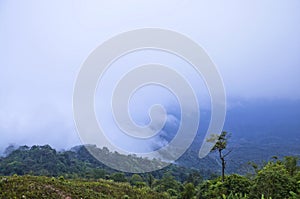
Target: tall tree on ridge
column 220, row 146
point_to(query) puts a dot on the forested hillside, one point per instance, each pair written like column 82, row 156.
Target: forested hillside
column 77, row 162
column 42, row 172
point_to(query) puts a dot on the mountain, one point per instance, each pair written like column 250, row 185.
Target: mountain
column 260, row 129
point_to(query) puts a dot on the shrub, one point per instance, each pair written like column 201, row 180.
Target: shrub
column 273, row 181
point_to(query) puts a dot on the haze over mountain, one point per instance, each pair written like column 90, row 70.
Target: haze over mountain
column 257, row 56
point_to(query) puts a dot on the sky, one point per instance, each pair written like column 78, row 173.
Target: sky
column 255, row 45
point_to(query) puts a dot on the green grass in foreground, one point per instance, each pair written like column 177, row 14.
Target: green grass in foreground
column 47, row 187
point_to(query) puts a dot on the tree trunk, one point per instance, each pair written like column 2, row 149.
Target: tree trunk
column 223, row 165
column 223, row 169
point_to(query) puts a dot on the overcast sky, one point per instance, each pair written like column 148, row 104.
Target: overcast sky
column 255, row 45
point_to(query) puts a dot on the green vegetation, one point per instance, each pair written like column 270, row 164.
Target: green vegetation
column 42, row 172
column 47, row 187
column 273, row 181
column 75, row 163
column 220, row 146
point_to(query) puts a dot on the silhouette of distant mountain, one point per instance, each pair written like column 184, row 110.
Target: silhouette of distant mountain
column 260, row 129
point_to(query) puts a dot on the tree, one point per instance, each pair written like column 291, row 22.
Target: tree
column 167, row 182
column 237, row 184
column 150, row 180
column 234, row 185
column 188, row 191
column 118, row 177
column 220, row 146
column 136, row 180
column 195, row 178
column 273, row 181
column 290, row 163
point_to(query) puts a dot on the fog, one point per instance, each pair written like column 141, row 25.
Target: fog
column 254, row 44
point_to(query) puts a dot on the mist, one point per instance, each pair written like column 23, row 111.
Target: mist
column 254, row 44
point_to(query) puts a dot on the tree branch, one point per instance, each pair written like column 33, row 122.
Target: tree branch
column 227, row 153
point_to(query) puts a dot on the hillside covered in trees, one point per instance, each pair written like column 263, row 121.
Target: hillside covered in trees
column 43, row 172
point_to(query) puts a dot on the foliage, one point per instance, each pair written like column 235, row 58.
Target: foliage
column 188, row 191
column 167, row 182
column 290, row 163
column 77, row 174
column 137, row 180
column 45, row 187
column 273, row 181
column 237, row 184
column 232, row 185
column 118, row 177
column 220, row 146
column 195, row 178
column 221, row 143
column 76, row 163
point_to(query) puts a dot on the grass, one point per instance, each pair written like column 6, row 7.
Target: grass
column 47, row 187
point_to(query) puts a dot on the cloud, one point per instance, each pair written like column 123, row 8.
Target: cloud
column 41, row 54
